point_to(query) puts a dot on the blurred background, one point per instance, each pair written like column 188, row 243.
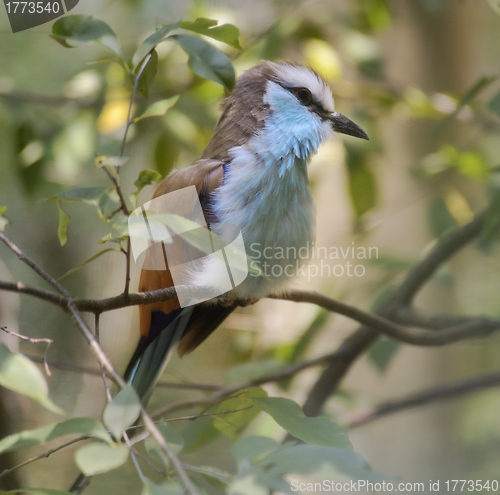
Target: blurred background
column 420, row 76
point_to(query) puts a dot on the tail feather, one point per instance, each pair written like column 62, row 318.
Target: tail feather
column 191, row 326
column 152, row 355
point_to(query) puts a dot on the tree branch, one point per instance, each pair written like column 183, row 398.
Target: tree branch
column 46, row 341
column 25, row 259
column 476, row 327
column 223, row 392
column 446, row 247
column 104, row 362
column 408, row 316
column 360, row 340
column 45, row 295
column 443, row 392
column 94, row 371
column 5, row 472
column 463, row 327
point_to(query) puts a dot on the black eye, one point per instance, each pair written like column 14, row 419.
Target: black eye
column 304, row 96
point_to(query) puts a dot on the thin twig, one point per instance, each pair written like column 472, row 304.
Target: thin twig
column 132, row 100
column 122, row 148
column 42, row 99
column 140, row 437
column 49, row 342
column 116, row 183
column 196, row 416
column 134, row 458
column 226, row 391
column 94, row 371
column 25, row 259
column 105, row 362
column 176, row 463
column 5, row 472
column 127, row 268
column 148, row 461
column 107, row 391
column 442, row 392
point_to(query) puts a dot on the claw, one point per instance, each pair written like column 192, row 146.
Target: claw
column 227, row 302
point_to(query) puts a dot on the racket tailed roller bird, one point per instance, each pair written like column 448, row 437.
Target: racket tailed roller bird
column 252, row 175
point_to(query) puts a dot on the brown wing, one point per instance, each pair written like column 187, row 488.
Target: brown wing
column 206, row 175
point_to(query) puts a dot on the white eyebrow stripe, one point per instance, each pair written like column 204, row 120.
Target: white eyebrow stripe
column 302, row 77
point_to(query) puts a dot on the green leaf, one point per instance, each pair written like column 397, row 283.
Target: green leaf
column 119, row 230
column 158, row 109
column 234, row 423
column 146, row 177
column 248, row 484
column 216, row 477
column 75, row 426
column 198, row 433
column 472, row 165
column 148, row 75
column 110, row 161
column 151, row 41
column 492, row 220
column 85, row 29
column 253, row 370
column 88, row 195
column 170, row 487
column 100, row 458
column 110, row 238
column 174, row 439
column 440, row 219
column 206, row 60
column 108, row 204
column 468, row 163
column 37, row 491
column 98, row 255
column 227, row 33
column 122, row 411
column 477, row 88
column 494, row 104
column 316, row 431
column 21, row 375
column 4, row 221
column 62, row 229
column 306, row 459
column 309, row 335
column 248, row 448
column 362, row 183
column 382, row 352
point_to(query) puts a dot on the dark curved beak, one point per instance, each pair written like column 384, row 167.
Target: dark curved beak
column 340, row 123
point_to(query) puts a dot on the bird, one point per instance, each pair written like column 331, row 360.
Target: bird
column 252, row 175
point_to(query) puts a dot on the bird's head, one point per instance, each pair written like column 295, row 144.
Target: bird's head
column 289, row 106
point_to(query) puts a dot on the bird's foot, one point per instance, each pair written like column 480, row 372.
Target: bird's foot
column 246, row 302
column 227, row 302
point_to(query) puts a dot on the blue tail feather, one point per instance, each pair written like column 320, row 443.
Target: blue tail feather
column 153, row 353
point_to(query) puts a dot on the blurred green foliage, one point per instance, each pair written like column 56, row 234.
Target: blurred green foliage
column 52, row 136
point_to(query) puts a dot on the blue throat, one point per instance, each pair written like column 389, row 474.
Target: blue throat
column 266, row 192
